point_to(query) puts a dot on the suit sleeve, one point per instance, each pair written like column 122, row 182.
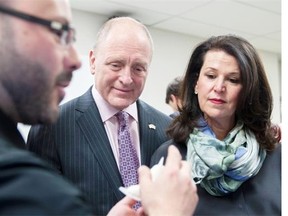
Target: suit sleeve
column 162, row 151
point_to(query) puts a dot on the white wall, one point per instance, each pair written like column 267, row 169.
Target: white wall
column 172, row 52
column 272, row 66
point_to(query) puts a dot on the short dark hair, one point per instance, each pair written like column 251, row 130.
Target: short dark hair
column 173, row 88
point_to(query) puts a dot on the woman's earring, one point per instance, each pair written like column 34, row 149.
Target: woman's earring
column 196, row 92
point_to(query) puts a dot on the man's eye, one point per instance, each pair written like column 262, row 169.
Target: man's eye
column 115, row 66
column 58, row 33
column 139, row 69
column 139, row 72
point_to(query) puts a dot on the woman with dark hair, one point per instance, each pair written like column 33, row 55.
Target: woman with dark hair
column 224, row 130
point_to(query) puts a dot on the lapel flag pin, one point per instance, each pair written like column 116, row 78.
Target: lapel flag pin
column 152, row 126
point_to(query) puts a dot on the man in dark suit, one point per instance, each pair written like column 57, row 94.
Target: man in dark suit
column 82, row 145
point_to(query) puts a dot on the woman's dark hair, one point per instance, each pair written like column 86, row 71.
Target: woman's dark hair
column 255, row 103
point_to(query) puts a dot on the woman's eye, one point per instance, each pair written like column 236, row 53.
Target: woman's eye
column 234, row 80
column 210, row 76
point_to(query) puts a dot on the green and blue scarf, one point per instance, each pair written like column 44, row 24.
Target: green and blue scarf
column 221, row 166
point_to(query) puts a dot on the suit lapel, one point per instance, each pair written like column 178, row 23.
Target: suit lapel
column 93, row 129
column 147, row 128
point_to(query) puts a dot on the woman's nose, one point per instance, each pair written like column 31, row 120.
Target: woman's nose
column 219, row 85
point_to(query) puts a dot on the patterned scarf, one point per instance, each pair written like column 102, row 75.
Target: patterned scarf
column 222, row 166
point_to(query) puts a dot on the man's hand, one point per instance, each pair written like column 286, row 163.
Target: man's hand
column 173, row 192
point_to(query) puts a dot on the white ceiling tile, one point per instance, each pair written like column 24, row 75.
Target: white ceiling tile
column 228, row 14
column 171, row 7
column 269, row 5
column 98, row 6
column 109, row 9
column 196, row 29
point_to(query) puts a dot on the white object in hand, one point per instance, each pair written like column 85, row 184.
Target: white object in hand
column 133, row 191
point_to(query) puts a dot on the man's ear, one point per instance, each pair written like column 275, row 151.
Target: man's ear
column 92, row 61
column 173, row 98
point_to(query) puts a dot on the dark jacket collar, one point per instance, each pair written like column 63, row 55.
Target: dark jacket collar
column 9, row 131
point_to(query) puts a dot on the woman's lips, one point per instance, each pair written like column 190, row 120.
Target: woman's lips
column 217, row 101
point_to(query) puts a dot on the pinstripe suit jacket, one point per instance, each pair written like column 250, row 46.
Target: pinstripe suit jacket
column 78, row 147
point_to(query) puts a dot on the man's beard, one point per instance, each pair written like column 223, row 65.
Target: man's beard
column 30, row 89
column 29, row 86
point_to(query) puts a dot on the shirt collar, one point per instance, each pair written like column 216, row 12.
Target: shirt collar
column 107, row 111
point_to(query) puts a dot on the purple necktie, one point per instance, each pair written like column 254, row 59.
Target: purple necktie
column 128, row 159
